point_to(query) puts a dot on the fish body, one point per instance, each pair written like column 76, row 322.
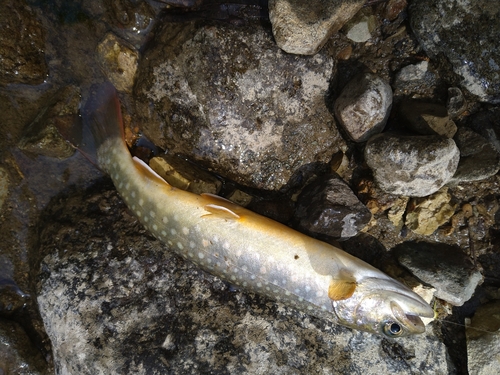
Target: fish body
column 249, row 250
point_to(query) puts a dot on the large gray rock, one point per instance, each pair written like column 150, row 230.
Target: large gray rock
column 467, row 34
column 442, row 266
column 411, row 165
column 304, row 27
column 363, row 106
column 230, row 98
column 115, row 301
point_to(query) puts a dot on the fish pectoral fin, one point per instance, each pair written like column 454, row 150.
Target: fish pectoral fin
column 341, row 289
column 147, row 172
column 221, row 212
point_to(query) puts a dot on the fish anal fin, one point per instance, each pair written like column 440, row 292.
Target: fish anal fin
column 147, row 172
column 221, row 211
column 341, row 289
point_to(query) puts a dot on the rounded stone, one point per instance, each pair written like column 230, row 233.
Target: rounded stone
column 363, row 106
column 411, row 165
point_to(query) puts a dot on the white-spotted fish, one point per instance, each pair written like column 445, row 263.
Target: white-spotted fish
column 249, row 250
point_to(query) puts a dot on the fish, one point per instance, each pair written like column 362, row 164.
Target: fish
column 248, row 250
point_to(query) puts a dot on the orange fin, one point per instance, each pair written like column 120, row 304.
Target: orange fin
column 221, row 211
column 148, row 172
column 341, row 289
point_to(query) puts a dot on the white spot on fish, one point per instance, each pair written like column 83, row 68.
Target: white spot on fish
column 155, row 227
column 201, row 255
column 252, row 277
column 259, row 285
column 165, row 220
column 163, row 233
column 146, row 219
column 226, row 245
column 138, row 213
column 173, row 231
column 205, row 243
column 308, row 288
column 141, row 202
column 152, row 213
column 263, row 270
column 287, row 293
column 319, row 293
column 233, row 277
column 192, row 245
column 297, row 291
column 245, row 283
column 179, row 245
column 185, row 231
column 191, row 254
column 176, row 217
column 127, row 186
column 120, row 185
column 132, row 194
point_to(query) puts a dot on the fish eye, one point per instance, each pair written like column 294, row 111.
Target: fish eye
column 392, row 329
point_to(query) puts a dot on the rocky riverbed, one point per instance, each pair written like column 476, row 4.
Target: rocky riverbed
column 372, row 125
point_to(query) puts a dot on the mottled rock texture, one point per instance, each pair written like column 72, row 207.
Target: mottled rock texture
column 363, row 106
column 230, row 98
column 467, row 34
column 411, row 165
column 304, row 27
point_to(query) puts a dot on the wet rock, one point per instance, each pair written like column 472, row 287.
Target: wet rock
column 105, row 286
column 22, row 45
column 328, row 206
column 483, row 340
column 17, row 353
column 444, row 267
column 478, row 158
column 4, row 186
column 411, row 165
column 456, row 104
column 452, row 29
column 118, row 61
column 44, row 135
column 363, row 106
column 427, row 118
column 360, row 28
column 218, row 99
column 425, row 215
column 304, row 27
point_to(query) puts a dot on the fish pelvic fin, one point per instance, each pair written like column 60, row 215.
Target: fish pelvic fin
column 341, row 289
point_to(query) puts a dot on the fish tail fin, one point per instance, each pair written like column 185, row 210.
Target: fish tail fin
column 102, row 113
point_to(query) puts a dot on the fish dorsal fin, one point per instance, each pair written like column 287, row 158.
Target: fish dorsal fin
column 148, row 172
column 341, row 289
column 221, row 211
column 220, row 207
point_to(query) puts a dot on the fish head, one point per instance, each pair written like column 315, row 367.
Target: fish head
column 385, row 307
